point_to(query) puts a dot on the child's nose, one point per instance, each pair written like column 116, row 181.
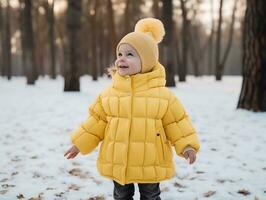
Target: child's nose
column 120, row 59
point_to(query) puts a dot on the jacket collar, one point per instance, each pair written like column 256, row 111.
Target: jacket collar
column 139, row 82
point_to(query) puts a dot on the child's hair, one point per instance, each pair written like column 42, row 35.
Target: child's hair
column 111, row 70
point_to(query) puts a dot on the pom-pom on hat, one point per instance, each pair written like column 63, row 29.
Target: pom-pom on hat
column 145, row 38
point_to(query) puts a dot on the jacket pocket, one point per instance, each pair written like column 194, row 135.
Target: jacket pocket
column 160, row 148
column 168, row 151
column 164, row 146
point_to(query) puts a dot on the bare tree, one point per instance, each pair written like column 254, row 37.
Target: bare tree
column 86, row 26
column 182, row 70
column 50, row 20
column 1, row 40
column 230, row 40
column 218, row 41
column 40, row 36
column 197, row 46
column 197, row 50
column 132, row 14
column 102, row 40
column 127, row 17
column 72, row 72
column 167, row 19
column 194, row 42
column 28, row 42
column 22, row 34
column 211, row 38
column 105, row 42
column 176, row 46
column 112, row 29
column 60, row 30
column 253, row 92
column 6, row 43
column 94, row 45
column 220, row 64
column 156, row 8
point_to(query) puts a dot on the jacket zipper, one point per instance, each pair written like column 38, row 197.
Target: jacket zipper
column 131, row 98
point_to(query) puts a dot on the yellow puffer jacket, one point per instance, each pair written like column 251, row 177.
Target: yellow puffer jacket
column 137, row 119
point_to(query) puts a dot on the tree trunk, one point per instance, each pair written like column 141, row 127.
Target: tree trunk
column 101, row 39
column 50, row 19
column 167, row 14
column 218, row 72
column 22, row 35
column 132, row 14
column 86, row 45
column 40, row 38
column 221, row 64
column 156, row 8
column 197, row 49
column 210, row 52
column 253, row 92
column 72, row 72
column 177, row 46
column 28, row 42
column 194, row 39
column 1, row 40
column 94, row 44
column 230, row 39
column 182, row 72
column 7, row 44
column 111, row 22
column 127, row 17
column 62, row 53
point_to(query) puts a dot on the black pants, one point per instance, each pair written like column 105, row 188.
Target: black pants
column 148, row 191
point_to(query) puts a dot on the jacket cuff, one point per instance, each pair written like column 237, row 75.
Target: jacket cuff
column 84, row 141
column 188, row 148
column 181, row 144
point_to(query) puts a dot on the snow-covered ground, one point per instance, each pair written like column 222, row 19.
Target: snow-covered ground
column 35, row 123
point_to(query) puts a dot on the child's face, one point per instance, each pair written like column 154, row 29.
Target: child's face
column 128, row 61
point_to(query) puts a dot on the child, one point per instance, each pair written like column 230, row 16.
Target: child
column 137, row 119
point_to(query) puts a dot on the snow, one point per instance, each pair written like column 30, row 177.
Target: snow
column 36, row 121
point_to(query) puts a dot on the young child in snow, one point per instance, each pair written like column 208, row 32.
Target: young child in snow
column 137, row 119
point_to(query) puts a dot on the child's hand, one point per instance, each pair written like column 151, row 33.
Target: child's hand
column 190, row 155
column 72, row 152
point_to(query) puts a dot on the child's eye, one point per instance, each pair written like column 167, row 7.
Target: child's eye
column 119, row 54
column 130, row 54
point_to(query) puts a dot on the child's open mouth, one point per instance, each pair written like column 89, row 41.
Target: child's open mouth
column 123, row 67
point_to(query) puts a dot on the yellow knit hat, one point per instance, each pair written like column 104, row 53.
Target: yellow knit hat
column 145, row 38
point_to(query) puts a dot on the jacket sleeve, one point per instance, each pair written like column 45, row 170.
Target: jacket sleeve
column 88, row 135
column 178, row 128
